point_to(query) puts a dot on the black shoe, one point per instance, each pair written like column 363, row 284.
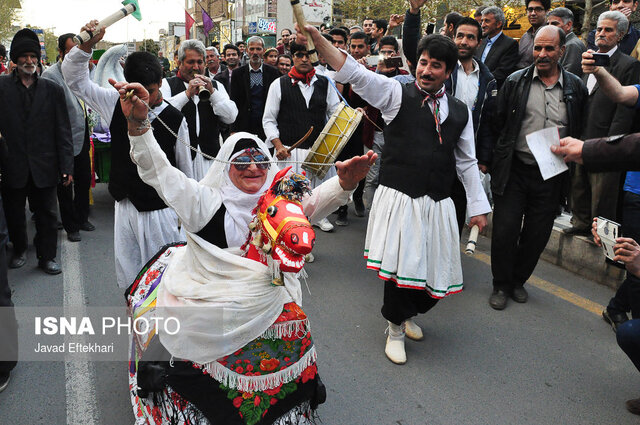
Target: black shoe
column 577, row 231
column 614, row 319
column 74, row 236
column 519, row 294
column 498, row 299
column 633, row 406
column 358, row 205
column 87, row 227
column 18, row 260
column 49, row 266
column 5, row 377
column 342, row 219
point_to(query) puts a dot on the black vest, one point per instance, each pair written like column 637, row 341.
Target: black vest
column 294, row 118
column 413, row 160
column 214, row 232
column 124, row 181
column 209, row 139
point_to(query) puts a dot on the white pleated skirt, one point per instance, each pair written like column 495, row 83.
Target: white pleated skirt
column 414, row 242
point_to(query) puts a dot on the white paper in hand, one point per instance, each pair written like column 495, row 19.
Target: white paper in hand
column 540, row 143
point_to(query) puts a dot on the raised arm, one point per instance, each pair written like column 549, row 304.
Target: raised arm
column 194, row 203
column 75, row 70
column 627, row 95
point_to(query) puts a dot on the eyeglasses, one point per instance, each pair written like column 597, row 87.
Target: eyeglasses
column 535, row 9
column 250, row 155
column 301, row 55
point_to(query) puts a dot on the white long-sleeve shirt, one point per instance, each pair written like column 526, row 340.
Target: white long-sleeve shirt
column 386, row 95
column 75, row 71
column 272, row 106
column 223, row 107
column 195, row 204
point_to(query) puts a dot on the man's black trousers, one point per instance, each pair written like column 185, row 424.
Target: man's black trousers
column 522, row 222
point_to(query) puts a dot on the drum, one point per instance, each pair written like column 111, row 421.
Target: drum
column 331, row 140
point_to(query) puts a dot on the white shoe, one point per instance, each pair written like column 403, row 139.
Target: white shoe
column 412, row 330
column 395, row 345
column 309, row 258
column 325, row 225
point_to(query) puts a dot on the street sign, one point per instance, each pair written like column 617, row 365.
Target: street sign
column 253, row 27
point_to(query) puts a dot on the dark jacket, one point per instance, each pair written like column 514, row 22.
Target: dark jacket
column 503, row 57
column 39, row 144
column 240, row 93
column 483, row 111
column 618, row 153
column 410, row 37
column 605, row 117
column 511, row 106
column 223, row 78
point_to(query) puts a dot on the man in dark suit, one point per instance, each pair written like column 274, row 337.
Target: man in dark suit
column 249, row 87
column 35, row 124
column 231, row 55
column 498, row 51
column 628, row 42
column 596, row 194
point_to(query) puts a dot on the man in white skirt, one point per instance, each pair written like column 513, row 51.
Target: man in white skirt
column 412, row 237
column 142, row 221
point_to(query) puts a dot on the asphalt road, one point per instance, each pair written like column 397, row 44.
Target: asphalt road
column 545, row 362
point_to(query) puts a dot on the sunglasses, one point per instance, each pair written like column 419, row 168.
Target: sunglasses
column 250, row 155
column 301, row 55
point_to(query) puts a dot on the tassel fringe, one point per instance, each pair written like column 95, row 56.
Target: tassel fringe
column 239, row 382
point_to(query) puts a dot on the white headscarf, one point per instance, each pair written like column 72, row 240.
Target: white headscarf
column 221, row 299
column 239, row 204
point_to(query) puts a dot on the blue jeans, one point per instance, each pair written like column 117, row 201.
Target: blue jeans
column 628, row 336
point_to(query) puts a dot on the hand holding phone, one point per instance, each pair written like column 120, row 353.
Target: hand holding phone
column 601, row 59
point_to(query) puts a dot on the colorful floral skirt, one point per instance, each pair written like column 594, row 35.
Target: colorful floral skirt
column 271, row 380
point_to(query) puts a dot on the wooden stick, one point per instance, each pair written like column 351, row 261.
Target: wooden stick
column 299, row 142
column 302, row 22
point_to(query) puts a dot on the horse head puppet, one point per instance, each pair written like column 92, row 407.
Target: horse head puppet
column 280, row 234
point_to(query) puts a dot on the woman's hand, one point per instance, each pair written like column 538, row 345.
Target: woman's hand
column 351, row 171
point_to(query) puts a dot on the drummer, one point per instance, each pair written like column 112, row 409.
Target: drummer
column 296, row 102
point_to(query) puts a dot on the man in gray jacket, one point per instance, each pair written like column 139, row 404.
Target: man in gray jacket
column 562, row 18
column 73, row 199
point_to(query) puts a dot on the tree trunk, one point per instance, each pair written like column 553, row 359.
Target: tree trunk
column 586, row 20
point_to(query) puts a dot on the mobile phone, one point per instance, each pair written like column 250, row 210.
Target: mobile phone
column 608, row 231
column 393, row 62
column 373, row 60
column 601, row 59
column 431, row 28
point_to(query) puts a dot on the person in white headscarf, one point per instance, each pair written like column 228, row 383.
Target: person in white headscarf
column 245, row 343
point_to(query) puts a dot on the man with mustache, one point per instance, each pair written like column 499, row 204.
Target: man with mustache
column 412, row 237
column 525, row 205
column 630, row 38
column 205, row 117
column 39, row 151
column 142, row 221
column 248, row 89
column 596, row 194
column 213, row 62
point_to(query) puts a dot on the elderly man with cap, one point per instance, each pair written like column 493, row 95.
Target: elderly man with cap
column 39, row 152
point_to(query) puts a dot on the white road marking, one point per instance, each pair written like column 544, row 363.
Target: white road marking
column 79, row 375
